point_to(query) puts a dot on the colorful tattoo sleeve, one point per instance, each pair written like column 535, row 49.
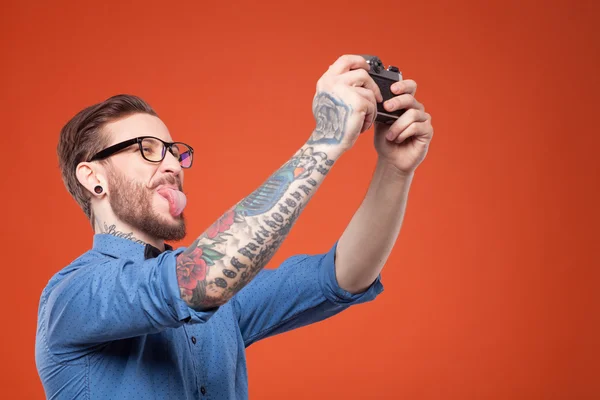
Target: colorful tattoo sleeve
column 238, row 245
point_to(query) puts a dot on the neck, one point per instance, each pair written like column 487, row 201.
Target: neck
column 123, row 231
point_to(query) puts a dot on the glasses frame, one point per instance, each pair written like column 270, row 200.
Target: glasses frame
column 109, row 151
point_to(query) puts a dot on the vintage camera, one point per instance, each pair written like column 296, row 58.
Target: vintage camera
column 384, row 78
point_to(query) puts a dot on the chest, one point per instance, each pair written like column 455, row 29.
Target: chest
column 194, row 356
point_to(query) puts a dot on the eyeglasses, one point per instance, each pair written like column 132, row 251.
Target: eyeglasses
column 152, row 149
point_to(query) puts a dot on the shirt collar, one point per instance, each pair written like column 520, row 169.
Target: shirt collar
column 125, row 248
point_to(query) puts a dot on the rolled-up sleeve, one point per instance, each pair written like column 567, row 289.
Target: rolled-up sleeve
column 301, row 291
column 332, row 290
column 114, row 299
column 172, row 294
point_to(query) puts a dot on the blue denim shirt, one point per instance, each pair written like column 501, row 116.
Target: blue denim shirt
column 112, row 324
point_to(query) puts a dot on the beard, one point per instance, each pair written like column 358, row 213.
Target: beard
column 131, row 203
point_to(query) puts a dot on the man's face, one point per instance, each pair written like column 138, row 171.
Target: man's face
column 134, row 182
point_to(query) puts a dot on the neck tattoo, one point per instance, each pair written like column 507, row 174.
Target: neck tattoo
column 112, row 230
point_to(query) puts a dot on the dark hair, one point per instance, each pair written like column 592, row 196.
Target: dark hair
column 82, row 137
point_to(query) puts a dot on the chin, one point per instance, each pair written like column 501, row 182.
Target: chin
column 169, row 228
column 161, row 208
column 171, row 220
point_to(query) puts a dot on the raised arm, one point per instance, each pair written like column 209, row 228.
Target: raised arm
column 369, row 239
column 240, row 243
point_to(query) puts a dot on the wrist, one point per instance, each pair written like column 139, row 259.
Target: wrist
column 333, row 151
column 387, row 170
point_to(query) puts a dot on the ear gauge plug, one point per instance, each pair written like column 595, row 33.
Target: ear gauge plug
column 98, row 189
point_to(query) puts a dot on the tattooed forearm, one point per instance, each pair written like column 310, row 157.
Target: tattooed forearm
column 112, row 230
column 260, row 251
column 331, row 116
column 236, row 247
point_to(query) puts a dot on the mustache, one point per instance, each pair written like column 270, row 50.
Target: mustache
column 169, row 180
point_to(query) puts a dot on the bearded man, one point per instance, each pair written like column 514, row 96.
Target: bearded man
column 134, row 318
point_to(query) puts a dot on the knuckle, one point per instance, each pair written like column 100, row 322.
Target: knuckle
column 362, row 103
column 321, row 83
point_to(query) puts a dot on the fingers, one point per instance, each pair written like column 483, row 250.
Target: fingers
column 409, row 117
column 407, row 86
column 367, row 94
column 415, row 129
column 370, row 107
column 403, row 102
column 361, row 78
column 348, row 62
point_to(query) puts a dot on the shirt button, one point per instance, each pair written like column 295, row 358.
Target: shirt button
column 194, row 341
column 203, row 390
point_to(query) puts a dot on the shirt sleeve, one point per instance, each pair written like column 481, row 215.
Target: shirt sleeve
column 115, row 299
column 303, row 290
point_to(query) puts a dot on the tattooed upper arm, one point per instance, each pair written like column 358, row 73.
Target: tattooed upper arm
column 192, row 269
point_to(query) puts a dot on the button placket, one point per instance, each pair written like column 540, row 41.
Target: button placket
column 196, row 349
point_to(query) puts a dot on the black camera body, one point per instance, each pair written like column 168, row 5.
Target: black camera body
column 384, row 78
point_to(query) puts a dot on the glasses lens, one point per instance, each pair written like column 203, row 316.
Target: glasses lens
column 183, row 153
column 152, row 149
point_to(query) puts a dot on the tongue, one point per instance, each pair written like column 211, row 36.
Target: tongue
column 176, row 199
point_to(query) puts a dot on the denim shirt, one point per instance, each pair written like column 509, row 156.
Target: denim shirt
column 112, row 324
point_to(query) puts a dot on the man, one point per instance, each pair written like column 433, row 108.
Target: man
column 134, row 318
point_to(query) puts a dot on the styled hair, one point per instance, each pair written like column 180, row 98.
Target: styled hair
column 82, row 137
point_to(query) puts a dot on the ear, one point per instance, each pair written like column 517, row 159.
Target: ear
column 91, row 175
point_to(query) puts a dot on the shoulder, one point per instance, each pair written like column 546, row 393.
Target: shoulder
column 86, row 261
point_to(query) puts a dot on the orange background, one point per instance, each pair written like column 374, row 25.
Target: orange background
column 492, row 289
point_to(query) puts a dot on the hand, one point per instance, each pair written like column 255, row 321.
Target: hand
column 404, row 144
column 345, row 104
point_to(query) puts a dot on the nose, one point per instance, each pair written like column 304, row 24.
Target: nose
column 170, row 164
